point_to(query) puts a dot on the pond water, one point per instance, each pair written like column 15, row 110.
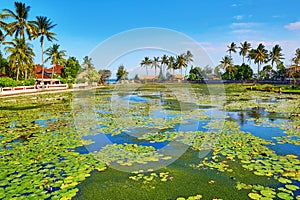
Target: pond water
column 151, row 142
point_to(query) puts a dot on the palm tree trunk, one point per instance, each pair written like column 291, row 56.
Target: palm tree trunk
column 18, row 71
column 53, row 71
column 243, row 59
column 258, row 69
column 43, row 62
column 147, row 70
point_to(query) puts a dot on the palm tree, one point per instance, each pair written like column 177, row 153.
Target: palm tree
column 87, row 62
column 180, row 62
column 296, row 59
column 20, row 25
column 188, row 59
column 227, row 64
column 276, row 55
column 146, row 62
column 164, row 62
column 20, row 55
column 260, row 55
column 244, row 49
column 155, row 63
column 292, row 71
column 231, row 48
column 43, row 25
column 171, row 63
column 56, row 56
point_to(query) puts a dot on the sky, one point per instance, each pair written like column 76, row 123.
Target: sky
column 84, row 25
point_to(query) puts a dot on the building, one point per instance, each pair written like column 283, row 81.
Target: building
column 58, row 69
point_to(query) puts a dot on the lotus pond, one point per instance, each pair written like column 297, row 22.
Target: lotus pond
column 151, row 141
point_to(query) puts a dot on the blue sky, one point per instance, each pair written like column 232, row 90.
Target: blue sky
column 82, row 25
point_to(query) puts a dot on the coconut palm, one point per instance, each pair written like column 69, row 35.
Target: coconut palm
column 181, row 62
column 146, row 62
column 155, row 63
column 296, row 59
column 56, row 56
column 188, row 59
column 164, row 62
column 260, row 55
column 244, row 49
column 20, row 56
column 227, row 64
column 171, row 63
column 43, row 25
column 87, row 62
column 231, row 48
column 20, row 25
column 276, row 55
column 293, row 71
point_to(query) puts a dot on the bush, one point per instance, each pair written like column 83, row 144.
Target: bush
column 63, row 80
column 28, row 82
column 8, row 82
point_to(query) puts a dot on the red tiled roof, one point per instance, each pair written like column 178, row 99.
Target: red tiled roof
column 38, row 76
column 57, row 69
column 38, row 69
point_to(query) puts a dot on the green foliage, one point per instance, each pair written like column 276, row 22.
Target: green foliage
column 238, row 72
column 71, row 68
column 7, row 82
column 122, row 74
column 104, row 75
column 27, row 82
column 93, row 76
column 195, row 74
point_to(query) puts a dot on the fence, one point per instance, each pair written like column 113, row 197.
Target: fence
column 29, row 89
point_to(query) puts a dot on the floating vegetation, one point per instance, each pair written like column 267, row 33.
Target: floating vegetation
column 128, row 154
column 41, row 137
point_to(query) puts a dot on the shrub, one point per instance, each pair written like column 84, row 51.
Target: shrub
column 8, row 82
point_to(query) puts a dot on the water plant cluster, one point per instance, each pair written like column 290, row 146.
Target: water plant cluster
column 42, row 138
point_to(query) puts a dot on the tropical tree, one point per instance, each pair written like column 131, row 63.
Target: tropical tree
column 180, row 62
column 155, row 63
column 244, row 49
column 122, row 73
column 146, row 62
column 171, row 63
column 104, row 75
column 56, row 56
column 71, row 68
column 296, row 59
column 267, row 72
column 188, row 59
column 227, row 64
column 260, row 55
column 87, row 63
column 195, row 74
column 43, row 26
column 275, row 55
column 231, row 48
column 20, row 25
column 164, row 62
column 20, row 56
column 294, row 72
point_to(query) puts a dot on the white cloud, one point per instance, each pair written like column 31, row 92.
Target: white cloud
column 238, row 17
column 233, row 5
column 244, row 25
column 242, row 31
column 293, row 26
